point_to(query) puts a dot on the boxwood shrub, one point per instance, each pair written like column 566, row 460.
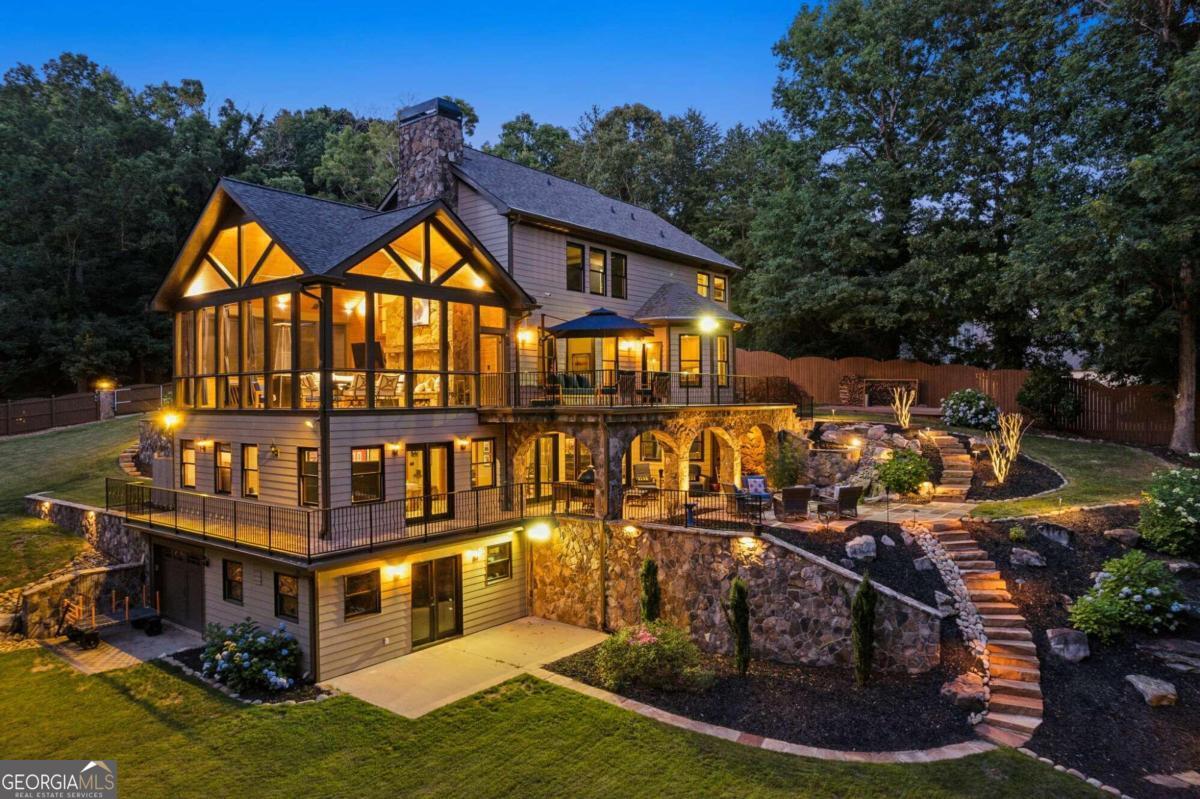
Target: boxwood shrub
column 904, row 472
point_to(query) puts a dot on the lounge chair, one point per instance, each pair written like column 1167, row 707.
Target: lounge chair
column 754, row 496
column 792, row 503
column 843, row 503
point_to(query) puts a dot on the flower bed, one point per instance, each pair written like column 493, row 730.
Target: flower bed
column 1094, row 720
column 301, row 691
column 1028, row 477
column 811, row 705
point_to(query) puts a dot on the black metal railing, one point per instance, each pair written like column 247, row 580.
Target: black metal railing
column 314, row 533
column 711, row 510
column 625, row 388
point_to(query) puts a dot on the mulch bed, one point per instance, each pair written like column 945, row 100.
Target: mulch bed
column 301, row 692
column 1027, row 477
column 893, row 566
column 815, row 706
column 1094, row 720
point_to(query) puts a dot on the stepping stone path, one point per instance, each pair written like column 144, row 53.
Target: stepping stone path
column 126, row 461
column 1014, row 676
column 956, row 466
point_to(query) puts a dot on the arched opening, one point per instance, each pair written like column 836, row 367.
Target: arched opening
column 713, row 461
column 757, row 446
column 651, row 461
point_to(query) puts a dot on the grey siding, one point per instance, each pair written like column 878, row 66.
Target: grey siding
column 351, row 644
column 258, row 597
column 488, row 225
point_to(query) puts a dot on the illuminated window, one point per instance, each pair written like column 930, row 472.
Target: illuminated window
column 718, row 288
column 362, row 594
column 187, row 464
column 231, row 581
column 310, row 477
column 287, row 596
column 223, row 469
column 483, row 463
column 620, row 276
column 597, row 271
column 366, row 474
column 574, row 267
column 702, row 284
column 206, row 279
column 277, row 265
column 499, row 562
column 689, row 360
column 466, row 278
column 249, row 470
column 722, row 360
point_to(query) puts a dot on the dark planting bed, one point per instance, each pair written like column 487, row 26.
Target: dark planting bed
column 893, row 566
column 1094, row 720
column 816, row 706
column 300, row 692
column 1028, row 477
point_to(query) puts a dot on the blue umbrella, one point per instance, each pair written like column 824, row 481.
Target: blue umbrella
column 601, row 323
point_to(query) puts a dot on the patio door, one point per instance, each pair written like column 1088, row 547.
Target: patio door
column 436, row 600
column 542, row 471
column 428, row 482
column 491, row 369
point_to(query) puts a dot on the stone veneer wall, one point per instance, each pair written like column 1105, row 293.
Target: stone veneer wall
column 104, row 531
column 800, row 603
column 426, row 147
column 41, row 603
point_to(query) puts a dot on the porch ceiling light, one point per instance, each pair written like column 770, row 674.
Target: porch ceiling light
column 708, row 324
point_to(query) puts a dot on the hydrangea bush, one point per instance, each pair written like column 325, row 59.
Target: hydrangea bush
column 970, row 408
column 1170, row 512
column 1131, row 592
column 245, row 657
column 656, row 655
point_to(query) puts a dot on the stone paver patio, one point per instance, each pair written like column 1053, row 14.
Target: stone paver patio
column 416, row 684
column 120, row 649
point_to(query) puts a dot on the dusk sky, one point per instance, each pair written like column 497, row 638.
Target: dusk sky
column 553, row 60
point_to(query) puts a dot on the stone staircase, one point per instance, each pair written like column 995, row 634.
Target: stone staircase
column 956, row 466
column 127, row 463
column 1014, row 676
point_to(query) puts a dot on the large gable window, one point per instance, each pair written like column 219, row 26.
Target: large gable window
column 239, row 255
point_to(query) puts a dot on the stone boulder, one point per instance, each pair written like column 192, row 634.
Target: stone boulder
column 967, row 691
column 1054, row 532
column 923, row 564
column 1181, row 566
column 945, row 602
column 1179, row 654
column 886, row 540
column 1125, row 536
column 1156, row 692
column 1026, row 557
column 914, row 445
column 861, row 548
column 876, row 432
column 1070, row 645
column 899, row 440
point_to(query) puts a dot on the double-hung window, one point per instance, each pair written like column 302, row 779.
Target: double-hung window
column 597, row 271
column 361, row 594
column 187, row 464
column 499, row 562
column 483, row 463
column 249, row 470
column 702, row 284
column 574, row 267
column 223, row 468
column 620, row 275
column 231, row 581
column 689, row 360
column 719, row 289
column 366, row 474
column 722, row 344
column 287, row 596
column 310, row 476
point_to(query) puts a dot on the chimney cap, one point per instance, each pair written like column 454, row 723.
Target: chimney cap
column 438, row 106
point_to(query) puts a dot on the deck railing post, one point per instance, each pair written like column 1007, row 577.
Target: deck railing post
column 270, row 547
column 203, row 516
column 371, row 527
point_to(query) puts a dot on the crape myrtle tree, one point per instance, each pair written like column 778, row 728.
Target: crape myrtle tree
column 1115, row 240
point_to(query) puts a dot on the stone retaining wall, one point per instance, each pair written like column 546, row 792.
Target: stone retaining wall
column 42, row 603
column 104, row 531
column 800, row 603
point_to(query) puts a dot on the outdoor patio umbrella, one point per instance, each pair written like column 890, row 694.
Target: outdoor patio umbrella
column 601, row 323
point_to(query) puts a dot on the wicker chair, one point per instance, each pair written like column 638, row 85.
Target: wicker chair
column 792, row 504
column 843, row 503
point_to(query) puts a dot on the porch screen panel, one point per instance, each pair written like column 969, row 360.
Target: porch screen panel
column 206, row 360
column 310, row 351
column 390, row 346
column 281, row 351
column 185, row 355
column 460, row 353
column 254, row 347
column 231, row 340
column 427, row 351
column 349, row 349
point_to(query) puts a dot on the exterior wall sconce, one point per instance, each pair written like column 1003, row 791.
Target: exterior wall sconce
column 204, row 444
column 310, row 424
column 395, row 448
column 274, row 450
column 460, row 444
column 473, row 555
column 398, row 571
column 539, row 531
column 525, row 335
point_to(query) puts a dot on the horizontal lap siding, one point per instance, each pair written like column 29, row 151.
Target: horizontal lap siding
column 258, row 598
column 485, row 222
column 350, row 644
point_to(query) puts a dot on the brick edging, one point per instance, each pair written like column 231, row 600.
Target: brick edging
column 933, row 755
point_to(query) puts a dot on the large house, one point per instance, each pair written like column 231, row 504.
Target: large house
column 380, row 410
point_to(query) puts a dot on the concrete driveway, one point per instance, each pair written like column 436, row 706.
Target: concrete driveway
column 415, row 684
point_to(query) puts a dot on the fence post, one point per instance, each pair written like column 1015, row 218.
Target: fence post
column 52, row 410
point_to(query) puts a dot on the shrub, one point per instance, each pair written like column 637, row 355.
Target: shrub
column 1004, row 447
column 1132, row 591
column 1017, row 534
column 655, row 655
column 651, row 596
column 970, row 408
column 862, row 628
column 1170, row 512
column 244, row 657
column 737, row 614
column 1046, row 394
column 902, row 402
column 787, row 463
column 904, row 471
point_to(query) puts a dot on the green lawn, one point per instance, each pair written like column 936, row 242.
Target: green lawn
column 71, row 462
column 526, row 738
column 1096, row 472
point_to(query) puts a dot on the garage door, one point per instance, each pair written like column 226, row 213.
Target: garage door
column 179, row 580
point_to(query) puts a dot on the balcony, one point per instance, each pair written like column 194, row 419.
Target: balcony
column 314, row 534
column 610, row 388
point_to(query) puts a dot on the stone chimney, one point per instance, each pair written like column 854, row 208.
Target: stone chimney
column 430, row 139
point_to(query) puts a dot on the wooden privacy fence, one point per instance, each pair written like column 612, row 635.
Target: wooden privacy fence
column 43, row 413
column 1140, row 415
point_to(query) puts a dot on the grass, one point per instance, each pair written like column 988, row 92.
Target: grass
column 174, row 738
column 72, row 463
column 1096, row 472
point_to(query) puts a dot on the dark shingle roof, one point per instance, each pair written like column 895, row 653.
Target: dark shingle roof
column 320, row 234
column 526, row 190
column 677, row 302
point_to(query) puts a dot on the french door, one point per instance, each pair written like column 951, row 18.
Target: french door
column 436, row 600
column 541, row 473
column 429, row 482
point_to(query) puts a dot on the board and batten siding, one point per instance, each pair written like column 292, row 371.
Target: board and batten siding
column 258, row 597
column 351, row 644
column 485, row 222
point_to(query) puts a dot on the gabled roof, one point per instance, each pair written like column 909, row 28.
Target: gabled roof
column 321, row 236
column 675, row 302
column 519, row 189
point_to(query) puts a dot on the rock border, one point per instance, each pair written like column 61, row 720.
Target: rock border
column 328, row 692
column 1076, row 773
column 934, row 755
column 1124, row 503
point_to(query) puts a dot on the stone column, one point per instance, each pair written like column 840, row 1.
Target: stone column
column 108, row 403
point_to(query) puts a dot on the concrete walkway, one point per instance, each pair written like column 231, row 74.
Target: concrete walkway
column 126, row 647
column 415, row 684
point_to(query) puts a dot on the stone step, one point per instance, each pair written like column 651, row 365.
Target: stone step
column 943, row 525
column 977, row 583
column 1011, row 721
column 1012, row 659
column 1009, row 671
column 1000, row 619
column 997, row 608
column 1023, row 648
column 955, row 481
column 1007, row 634
column 949, row 458
column 999, row 735
column 979, row 574
column 967, row 565
column 953, row 535
column 955, row 468
column 988, row 595
column 1004, row 702
column 951, row 492
column 1017, row 687
column 953, row 546
column 967, row 556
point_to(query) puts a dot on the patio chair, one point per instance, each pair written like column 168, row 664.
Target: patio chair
column 792, row 503
column 696, row 480
column 356, row 395
column 310, row 389
column 387, row 391
column 843, row 503
column 755, row 496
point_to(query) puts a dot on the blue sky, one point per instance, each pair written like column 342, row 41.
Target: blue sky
column 553, row 60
